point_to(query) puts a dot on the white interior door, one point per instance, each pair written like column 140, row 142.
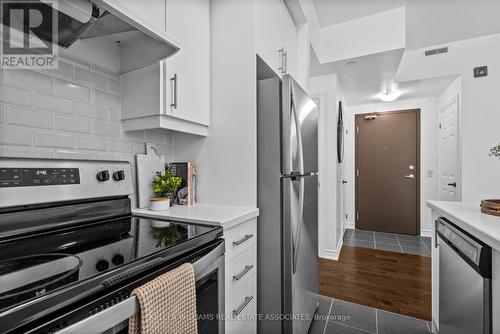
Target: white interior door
column 449, row 177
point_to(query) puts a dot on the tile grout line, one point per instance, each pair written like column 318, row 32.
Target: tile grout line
column 427, row 249
column 399, row 243
column 328, row 317
column 358, row 329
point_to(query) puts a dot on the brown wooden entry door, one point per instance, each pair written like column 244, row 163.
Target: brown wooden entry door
column 387, row 169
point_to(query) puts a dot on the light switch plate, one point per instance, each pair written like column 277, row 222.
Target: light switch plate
column 480, row 71
column 430, row 173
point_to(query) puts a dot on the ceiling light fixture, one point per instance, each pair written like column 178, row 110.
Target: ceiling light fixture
column 389, row 95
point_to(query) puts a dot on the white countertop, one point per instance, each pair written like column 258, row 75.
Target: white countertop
column 469, row 217
column 221, row 215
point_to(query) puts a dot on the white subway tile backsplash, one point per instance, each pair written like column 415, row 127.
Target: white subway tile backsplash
column 16, row 135
column 105, row 156
column 106, row 129
column 114, row 86
column 71, row 90
column 139, row 148
column 91, row 79
column 164, row 149
column 105, row 99
column 53, row 139
column 91, row 143
column 91, row 110
column 118, row 145
column 72, row 124
column 15, row 95
column 154, row 136
column 28, row 78
column 63, row 69
column 74, row 60
column 105, row 71
column 133, row 135
column 114, row 116
column 29, row 117
column 62, row 154
column 72, row 112
column 28, row 152
column 53, row 103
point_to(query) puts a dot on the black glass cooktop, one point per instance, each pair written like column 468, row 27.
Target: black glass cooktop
column 34, row 266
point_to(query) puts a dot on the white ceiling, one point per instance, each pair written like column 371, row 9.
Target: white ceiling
column 331, row 12
column 429, row 22
column 363, row 81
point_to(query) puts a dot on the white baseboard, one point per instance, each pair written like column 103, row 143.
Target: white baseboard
column 349, row 226
column 426, row 233
column 331, row 254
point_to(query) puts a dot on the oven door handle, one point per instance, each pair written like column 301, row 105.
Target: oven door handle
column 120, row 312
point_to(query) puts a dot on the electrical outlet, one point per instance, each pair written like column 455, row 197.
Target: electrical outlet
column 480, row 71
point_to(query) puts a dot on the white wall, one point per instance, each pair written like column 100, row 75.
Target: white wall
column 227, row 157
column 480, row 107
column 428, row 151
column 327, row 89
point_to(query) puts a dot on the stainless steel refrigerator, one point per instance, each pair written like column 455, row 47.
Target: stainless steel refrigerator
column 288, row 202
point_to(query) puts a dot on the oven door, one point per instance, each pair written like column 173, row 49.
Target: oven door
column 209, row 275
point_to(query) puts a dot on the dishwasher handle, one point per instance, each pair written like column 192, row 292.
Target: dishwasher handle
column 472, row 250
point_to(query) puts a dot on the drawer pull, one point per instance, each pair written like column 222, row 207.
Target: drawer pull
column 242, row 306
column 240, row 275
column 242, row 240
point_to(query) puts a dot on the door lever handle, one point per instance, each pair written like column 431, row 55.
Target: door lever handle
column 454, row 184
column 410, row 176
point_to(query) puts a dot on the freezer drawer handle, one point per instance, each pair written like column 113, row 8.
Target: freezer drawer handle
column 240, row 275
column 242, row 306
column 242, row 240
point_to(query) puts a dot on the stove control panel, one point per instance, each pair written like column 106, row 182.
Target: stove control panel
column 28, row 177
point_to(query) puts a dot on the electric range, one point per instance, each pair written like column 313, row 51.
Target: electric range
column 70, row 247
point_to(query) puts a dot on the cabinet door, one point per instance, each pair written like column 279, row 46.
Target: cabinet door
column 153, row 11
column 289, row 37
column 268, row 32
column 188, row 96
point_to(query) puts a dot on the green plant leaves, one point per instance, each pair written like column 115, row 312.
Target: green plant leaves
column 166, row 183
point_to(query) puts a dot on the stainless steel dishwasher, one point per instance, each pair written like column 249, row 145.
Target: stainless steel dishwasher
column 464, row 281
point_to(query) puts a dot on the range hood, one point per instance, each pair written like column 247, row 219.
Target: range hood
column 80, row 20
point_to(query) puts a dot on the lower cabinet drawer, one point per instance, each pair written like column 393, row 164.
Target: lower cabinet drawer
column 241, row 309
column 239, row 270
column 239, row 239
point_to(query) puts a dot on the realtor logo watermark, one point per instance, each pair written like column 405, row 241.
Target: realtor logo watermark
column 29, row 34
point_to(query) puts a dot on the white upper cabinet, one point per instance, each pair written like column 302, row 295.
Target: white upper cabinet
column 188, row 71
column 174, row 94
column 276, row 37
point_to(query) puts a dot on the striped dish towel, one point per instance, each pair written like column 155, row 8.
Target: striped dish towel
column 168, row 304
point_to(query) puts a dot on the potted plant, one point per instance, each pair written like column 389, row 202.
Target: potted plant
column 164, row 186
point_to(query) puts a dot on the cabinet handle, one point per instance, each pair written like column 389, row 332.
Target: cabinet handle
column 282, row 59
column 242, row 240
column 285, row 55
column 242, row 306
column 240, row 275
column 173, row 91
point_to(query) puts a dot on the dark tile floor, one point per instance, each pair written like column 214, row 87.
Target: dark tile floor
column 341, row 317
column 410, row 244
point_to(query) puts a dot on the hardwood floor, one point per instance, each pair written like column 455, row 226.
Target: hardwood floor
column 395, row 282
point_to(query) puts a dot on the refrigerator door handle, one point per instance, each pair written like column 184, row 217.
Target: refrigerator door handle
column 299, row 219
column 298, row 129
column 300, row 222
